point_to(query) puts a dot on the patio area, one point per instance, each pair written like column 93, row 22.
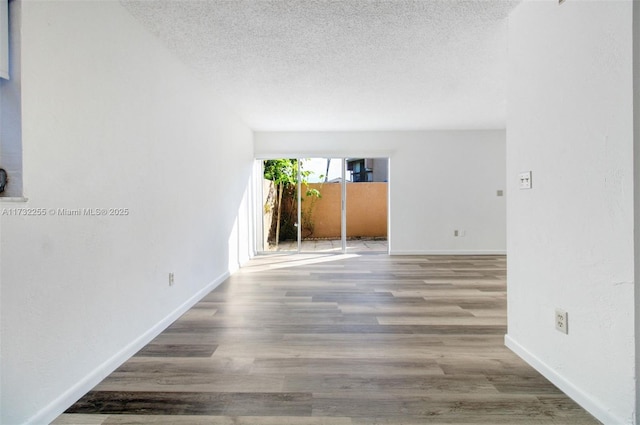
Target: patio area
column 333, row 245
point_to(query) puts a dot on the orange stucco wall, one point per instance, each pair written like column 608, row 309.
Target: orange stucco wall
column 366, row 210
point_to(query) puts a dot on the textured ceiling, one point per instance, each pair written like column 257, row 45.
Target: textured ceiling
column 343, row 65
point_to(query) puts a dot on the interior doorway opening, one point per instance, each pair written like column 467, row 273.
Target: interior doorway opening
column 323, row 204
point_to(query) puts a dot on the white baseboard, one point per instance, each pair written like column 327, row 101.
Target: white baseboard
column 449, row 252
column 59, row 405
column 588, row 403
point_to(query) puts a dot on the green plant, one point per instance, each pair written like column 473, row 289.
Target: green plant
column 308, row 224
column 284, row 173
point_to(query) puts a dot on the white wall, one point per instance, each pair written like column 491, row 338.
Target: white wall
column 636, row 189
column 570, row 238
column 110, row 120
column 440, row 181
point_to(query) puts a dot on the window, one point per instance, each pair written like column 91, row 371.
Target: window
column 11, row 101
column 359, row 170
column 4, row 39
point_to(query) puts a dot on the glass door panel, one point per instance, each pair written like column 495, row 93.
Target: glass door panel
column 367, row 204
column 280, row 205
column 321, row 205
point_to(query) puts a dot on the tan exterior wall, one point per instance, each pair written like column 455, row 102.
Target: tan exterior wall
column 366, row 211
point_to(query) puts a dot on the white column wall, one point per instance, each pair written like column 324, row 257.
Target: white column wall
column 570, row 238
column 110, row 120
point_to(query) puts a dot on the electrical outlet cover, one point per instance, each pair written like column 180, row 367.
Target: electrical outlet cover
column 525, row 180
column 562, row 321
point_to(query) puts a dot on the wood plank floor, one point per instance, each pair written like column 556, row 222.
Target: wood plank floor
column 336, row 340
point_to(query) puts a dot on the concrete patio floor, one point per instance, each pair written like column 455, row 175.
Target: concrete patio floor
column 329, row 246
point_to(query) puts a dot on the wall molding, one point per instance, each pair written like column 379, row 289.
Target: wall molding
column 62, row 403
column 600, row 412
column 13, row 199
column 449, row 252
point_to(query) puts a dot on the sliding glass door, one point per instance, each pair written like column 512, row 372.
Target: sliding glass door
column 326, row 205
